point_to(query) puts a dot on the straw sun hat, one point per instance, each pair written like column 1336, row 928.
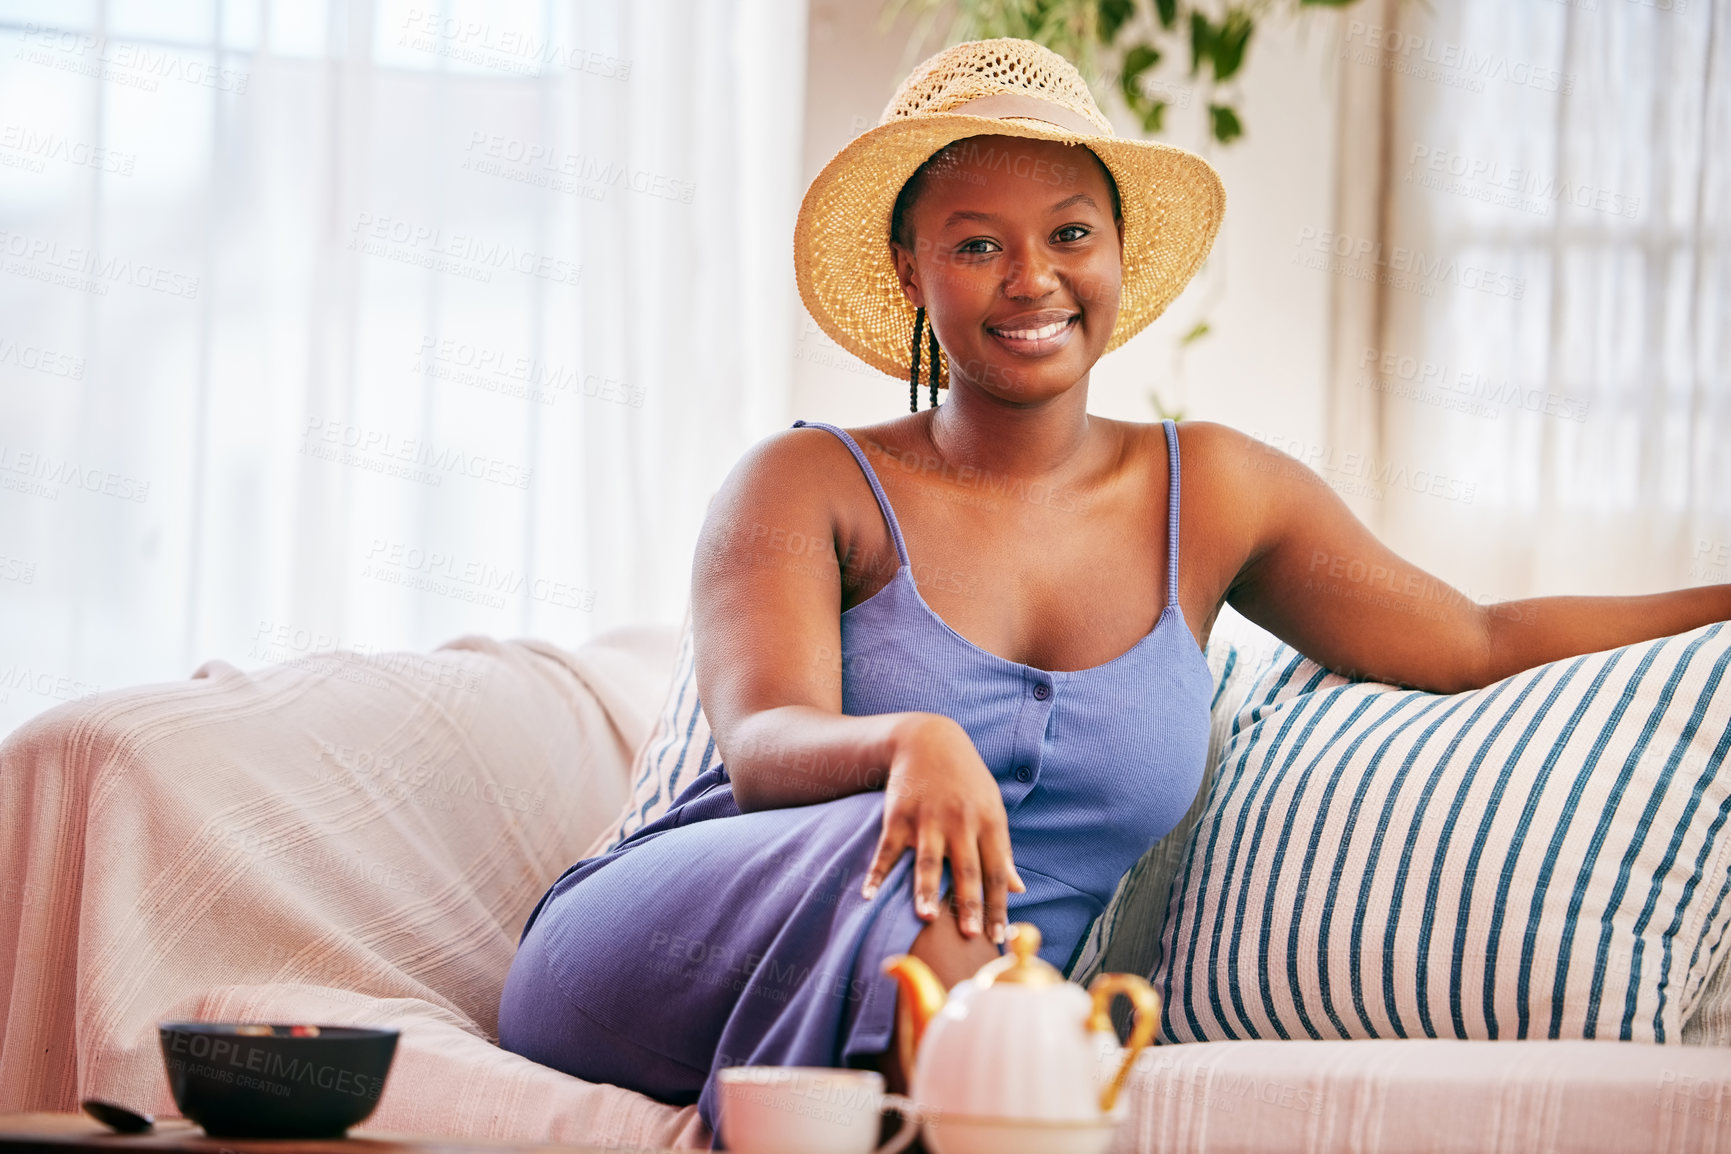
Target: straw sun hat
column 1173, row 200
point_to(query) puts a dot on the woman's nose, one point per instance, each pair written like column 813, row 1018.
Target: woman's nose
column 1030, row 276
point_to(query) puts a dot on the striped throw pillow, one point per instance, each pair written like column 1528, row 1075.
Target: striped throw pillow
column 1544, row 857
column 679, row 749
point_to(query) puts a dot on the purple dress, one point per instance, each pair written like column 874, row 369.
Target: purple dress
column 712, row 938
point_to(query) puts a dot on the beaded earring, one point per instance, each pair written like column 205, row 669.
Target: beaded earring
column 914, row 376
column 933, row 370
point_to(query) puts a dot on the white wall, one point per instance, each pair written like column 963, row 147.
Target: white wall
column 1263, row 366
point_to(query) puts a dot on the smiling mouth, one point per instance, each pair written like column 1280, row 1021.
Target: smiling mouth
column 1039, row 339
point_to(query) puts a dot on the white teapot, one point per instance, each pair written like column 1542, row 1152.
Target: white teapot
column 1016, row 1058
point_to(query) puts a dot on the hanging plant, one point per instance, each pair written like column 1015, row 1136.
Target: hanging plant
column 1125, row 40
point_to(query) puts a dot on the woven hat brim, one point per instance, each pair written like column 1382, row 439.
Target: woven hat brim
column 1173, row 204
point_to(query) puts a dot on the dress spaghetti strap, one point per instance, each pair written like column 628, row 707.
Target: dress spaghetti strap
column 877, row 488
column 1172, row 513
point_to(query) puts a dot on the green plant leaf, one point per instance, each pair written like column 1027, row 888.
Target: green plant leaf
column 1114, row 14
column 1201, row 41
column 1196, row 333
column 1326, row 3
column 1167, row 10
column 1225, row 123
column 1230, row 41
column 1138, row 59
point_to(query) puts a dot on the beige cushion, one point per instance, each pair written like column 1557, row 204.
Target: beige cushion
column 1710, row 1024
column 1428, row 1096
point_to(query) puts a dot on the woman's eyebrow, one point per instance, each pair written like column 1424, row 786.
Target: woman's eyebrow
column 1079, row 198
column 1067, row 202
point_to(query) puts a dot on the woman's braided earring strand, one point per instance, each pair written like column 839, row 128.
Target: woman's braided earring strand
column 914, row 376
column 932, row 369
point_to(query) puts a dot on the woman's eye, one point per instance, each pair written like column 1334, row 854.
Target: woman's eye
column 977, row 245
column 1077, row 229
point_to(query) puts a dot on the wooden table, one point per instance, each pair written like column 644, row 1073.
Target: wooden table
column 65, row 1133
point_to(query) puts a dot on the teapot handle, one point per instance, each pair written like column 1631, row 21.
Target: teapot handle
column 1147, row 1019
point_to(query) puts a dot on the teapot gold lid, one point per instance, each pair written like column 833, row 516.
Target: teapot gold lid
column 1022, row 966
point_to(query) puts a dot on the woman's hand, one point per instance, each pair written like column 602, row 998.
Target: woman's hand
column 941, row 799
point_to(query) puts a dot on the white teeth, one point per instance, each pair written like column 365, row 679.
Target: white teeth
column 1038, row 334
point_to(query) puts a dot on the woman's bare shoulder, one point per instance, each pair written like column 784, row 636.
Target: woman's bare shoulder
column 898, row 434
column 797, row 480
column 1209, row 437
column 1215, row 455
column 1204, row 447
column 791, row 454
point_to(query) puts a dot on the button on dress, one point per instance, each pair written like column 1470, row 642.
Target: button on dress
column 711, row 938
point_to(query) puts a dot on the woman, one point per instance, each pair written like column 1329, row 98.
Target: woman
column 971, row 632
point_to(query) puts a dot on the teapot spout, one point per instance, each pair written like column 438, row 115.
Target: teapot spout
column 922, row 995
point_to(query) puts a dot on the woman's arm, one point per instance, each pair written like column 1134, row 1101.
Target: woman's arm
column 1540, row 629
column 1312, row 574
column 766, row 630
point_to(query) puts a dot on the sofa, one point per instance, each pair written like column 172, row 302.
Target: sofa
column 358, row 838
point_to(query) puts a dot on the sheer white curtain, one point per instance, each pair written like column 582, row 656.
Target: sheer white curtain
column 375, row 323
column 1553, row 370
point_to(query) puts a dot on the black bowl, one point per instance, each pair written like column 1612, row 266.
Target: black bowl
column 237, row 1082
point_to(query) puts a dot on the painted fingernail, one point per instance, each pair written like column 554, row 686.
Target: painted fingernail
column 998, row 932
column 869, row 890
column 926, row 908
column 973, row 924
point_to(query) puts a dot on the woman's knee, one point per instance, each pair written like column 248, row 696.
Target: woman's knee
column 951, row 955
